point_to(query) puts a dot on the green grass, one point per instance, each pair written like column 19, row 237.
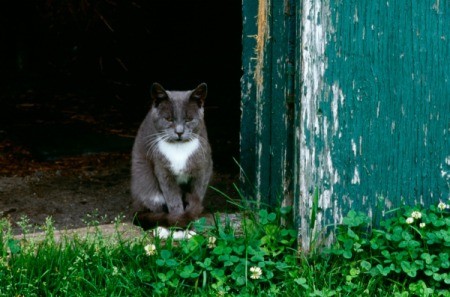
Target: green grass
column 262, row 259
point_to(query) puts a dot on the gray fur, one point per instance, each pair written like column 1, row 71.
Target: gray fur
column 160, row 195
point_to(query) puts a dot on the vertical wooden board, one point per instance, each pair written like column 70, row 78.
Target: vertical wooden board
column 248, row 103
column 375, row 107
column 256, row 108
column 266, row 127
column 264, row 101
column 314, row 168
column 282, row 15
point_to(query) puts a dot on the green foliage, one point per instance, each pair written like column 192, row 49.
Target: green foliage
column 411, row 248
column 403, row 257
column 220, row 261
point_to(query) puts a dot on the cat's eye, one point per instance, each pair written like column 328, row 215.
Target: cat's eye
column 188, row 120
column 169, row 119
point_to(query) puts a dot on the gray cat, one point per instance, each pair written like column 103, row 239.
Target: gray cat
column 171, row 160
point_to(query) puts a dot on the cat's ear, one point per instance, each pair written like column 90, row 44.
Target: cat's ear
column 158, row 94
column 199, row 94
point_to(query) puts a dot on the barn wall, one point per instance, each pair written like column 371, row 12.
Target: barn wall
column 374, row 92
column 346, row 105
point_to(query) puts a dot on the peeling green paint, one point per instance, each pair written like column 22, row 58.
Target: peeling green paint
column 267, row 101
column 375, row 106
column 354, row 101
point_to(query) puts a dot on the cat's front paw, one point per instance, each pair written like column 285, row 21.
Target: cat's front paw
column 164, row 233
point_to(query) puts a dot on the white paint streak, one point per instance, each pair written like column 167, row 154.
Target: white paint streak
column 436, row 6
column 392, row 127
column 348, row 200
column 354, row 149
column 316, row 26
column 445, row 169
column 259, row 171
column 425, row 134
column 325, row 200
column 370, row 213
column 360, row 145
column 338, row 97
column 355, row 15
column 356, row 180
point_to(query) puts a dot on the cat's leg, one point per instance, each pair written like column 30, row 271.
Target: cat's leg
column 171, row 191
column 194, row 197
column 198, row 189
column 145, row 188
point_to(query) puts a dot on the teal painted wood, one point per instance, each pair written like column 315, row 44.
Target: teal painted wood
column 248, row 151
column 267, row 112
column 366, row 120
column 282, row 111
column 255, row 122
column 373, row 93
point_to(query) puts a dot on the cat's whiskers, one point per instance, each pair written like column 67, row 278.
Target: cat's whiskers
column 153, row 140
column 203, row 143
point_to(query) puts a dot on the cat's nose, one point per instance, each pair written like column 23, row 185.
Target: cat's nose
column 179, row 130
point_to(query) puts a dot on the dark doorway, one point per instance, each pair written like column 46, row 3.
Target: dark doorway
column 75, row 79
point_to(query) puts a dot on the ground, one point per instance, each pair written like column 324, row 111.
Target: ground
column 64, row 159
column 77, row 190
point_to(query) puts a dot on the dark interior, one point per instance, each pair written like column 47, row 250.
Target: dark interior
column 75, row 75
column 75, row 80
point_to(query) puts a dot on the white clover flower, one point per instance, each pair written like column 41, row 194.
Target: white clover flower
column 442, row 205
column 422, row 225
column 410, row 220
column 256, row 272
column 115, row 271
column 150, row 249
column 211, row 242
column 416, row 215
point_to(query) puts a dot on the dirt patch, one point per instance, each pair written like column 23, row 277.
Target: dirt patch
column 74, row 191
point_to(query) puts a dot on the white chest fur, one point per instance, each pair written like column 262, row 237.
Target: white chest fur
column 178, row 153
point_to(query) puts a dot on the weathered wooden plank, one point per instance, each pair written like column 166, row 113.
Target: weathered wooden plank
column 282, row 111
column 266, row 133
column 314, row 168
column 374, row 107
column 248, row 152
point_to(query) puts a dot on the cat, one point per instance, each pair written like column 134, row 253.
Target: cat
column 171, row 163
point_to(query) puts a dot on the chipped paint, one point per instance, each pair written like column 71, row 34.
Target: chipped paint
column 445, row 171
column 314, row 41
column 260, row 51
column 356, row 180
column 354, row 147
column 261, row 39
column 370, row 118
column 385, row 140
column 267, row 122
column 338, row 98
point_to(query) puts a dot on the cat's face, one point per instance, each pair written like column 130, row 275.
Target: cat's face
column 177, row 115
